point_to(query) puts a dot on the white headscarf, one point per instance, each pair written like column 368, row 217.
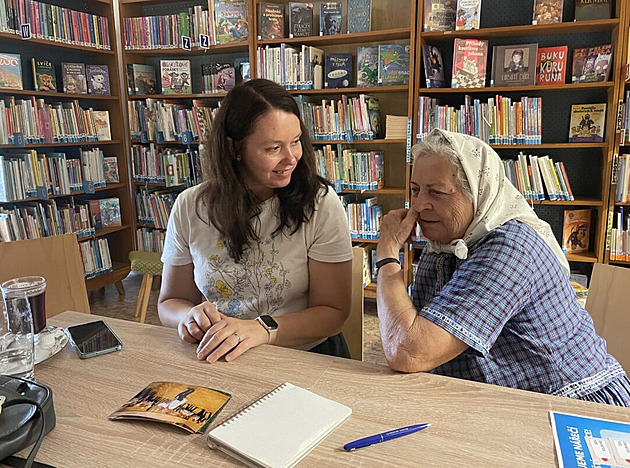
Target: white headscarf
column 495, row 199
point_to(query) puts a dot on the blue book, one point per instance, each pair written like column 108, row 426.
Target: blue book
column 359, row 15
column 330, row 18
column 393, row 64
column 337, row 70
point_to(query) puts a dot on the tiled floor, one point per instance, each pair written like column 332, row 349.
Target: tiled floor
column 108, row 303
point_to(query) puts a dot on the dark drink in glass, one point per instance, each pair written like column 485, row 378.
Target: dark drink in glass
column 38, row 309
column 35, row 289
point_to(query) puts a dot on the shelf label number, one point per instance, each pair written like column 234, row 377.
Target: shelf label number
column 144, row 136
column 25, row 29
column 159, row 137
column 18, row 139
column 204, row 41
column 185, row 42
column 187, row 137
column 42, row 192
column 88, row 186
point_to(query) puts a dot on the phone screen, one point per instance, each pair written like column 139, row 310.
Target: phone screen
column 94, row 338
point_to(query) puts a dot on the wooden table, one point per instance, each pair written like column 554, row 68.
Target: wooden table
column 474, row 424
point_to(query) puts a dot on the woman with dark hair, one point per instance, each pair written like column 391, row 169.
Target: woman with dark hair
column 259, row 252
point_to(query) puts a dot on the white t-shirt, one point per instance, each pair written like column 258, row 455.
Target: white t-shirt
column 270, row 279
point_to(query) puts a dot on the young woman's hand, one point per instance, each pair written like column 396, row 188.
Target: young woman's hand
column 195, row 323
column 231, row 337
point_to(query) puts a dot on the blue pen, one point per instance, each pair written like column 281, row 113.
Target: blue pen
column 389, row 435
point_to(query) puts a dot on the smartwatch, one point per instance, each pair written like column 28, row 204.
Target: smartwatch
column 269, row 324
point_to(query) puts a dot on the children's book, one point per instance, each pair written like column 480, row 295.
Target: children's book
column 101, row 120
column 223, row 76
column 469, row 63
column 300, row 19
column 439, row 15
column 587, row 10
column 587, row 123
column 576, row 228
column 374, row 116
column 190, row 407
column 231, row 21
column 515, row 65
column 547, row 11
column 175, row 76
column 105, row 212
column 433, row 66
column 393, row 64
column 359, row 15
column 73, row 77
column 98, row 79
column 468, row 14
column 44, row 75
column 144, row 79
column 316, row 61
column 110, row 168
column 337, row 70
column 270, row 21
column 10, row 71
column 592, row 64
column 367, row 66
column 330, row 18
column 551, row 65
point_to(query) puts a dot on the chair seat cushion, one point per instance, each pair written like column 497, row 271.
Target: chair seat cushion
column 146, row 263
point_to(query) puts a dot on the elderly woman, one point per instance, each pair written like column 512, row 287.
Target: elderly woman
column 491, row 298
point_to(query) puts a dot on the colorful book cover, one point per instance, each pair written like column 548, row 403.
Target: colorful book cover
column 374, row 116
column 316, row 60
column 515, row 65
column 330, row 18
column 367, row 66
column 576, row 228
column 592, row 65
column 603, row 61
column 110, row 168
column 223, row 76
column 231, row 21
column 270, row 21
column 359, row 15
column 300, row 19
column 586, row 442
column 175, row 76
column 98, row 79
column 393, row 64
column 588, row 10
column 469, row 63
column 73, row 77
column 10, row 71
column 44, row 75
column 144, row 79
column 433, row 66
column 110, row 212
column 587, row 123
column 468, row 14
column 190, row 407
column 101, row 120
column 337, row 70
column 547, row 11
column 439, row 15
column 551, row 65
column 241, row 66
column 579, row 57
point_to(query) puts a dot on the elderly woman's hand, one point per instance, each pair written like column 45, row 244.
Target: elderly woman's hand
column 396, row 229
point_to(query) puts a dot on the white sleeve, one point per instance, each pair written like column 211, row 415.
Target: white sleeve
column 176, row 245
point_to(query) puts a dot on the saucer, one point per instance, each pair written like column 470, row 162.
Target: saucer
column 50, row 341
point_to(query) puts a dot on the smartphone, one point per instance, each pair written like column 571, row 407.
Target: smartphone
column 93, row 339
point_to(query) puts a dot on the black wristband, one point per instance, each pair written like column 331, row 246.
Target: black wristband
column 385, row 261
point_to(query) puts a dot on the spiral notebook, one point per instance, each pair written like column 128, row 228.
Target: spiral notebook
column 278, row 430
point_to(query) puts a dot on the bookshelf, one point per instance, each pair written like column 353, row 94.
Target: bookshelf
column 58, row 38
column 588, row 165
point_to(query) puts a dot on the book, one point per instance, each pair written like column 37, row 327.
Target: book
column 101, row 121
column 175, row 76
column 469, row 63
column 587, row 10
column 551, row 65
column 144, row 79
column 337, row 70
column 98, row 79
column 433, row 66
column 44, row 76
column 231, row 21
column 592, row 64
column 73, row 78
column 270, row 21
column 110, row 169
column 468, row 13
column 587, row 123
column 581, row 441
column 547, row 11
column 105, row 212
column 367, row 66
column 190, row 407
column 439, row 15
column 393, row 64
column 316, row 61
column 279, row 429
column 514, row 65
column 300, row 19
column 10, row 71
column 576, row 227
column 330, row 18
column 374, row 116
column 359, row 16
column 223, row 76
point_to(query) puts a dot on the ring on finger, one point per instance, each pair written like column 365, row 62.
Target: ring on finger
column 190, row 321
column 238, row 338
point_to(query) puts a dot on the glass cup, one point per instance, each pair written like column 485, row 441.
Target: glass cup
column 35, row 289
column 17, row 343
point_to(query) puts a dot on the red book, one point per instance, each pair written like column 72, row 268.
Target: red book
column 469, row 63
column 551, row 65
column 566, row 179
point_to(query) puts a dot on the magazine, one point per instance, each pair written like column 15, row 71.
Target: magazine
column 190, row 407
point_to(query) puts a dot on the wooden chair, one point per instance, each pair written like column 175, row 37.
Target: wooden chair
column 57, row 259
column 607, row 302
column 148, row 264
column 353, row 328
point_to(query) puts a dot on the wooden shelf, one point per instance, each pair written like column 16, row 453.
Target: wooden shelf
column 48, row 94
column 149, row 226
column 106, row 231
column 622, row 203
column 71, row 194
column 215, row 49
column 520, row 89
column 354, row 38
column 619, row 262
column 166, row 143
column 156, row 184
column 383, row 191
column 369, row 241
column 578, row 201
column 585, row 257
column 370, row 90
column 56, row 45
column 120, row 272
column 553, row 146
column 360, row 142
column 59, row 145
column 138, row 97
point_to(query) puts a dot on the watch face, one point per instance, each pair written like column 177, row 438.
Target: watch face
column 269, row 321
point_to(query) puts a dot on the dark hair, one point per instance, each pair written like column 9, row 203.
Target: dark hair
column 230, row 206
